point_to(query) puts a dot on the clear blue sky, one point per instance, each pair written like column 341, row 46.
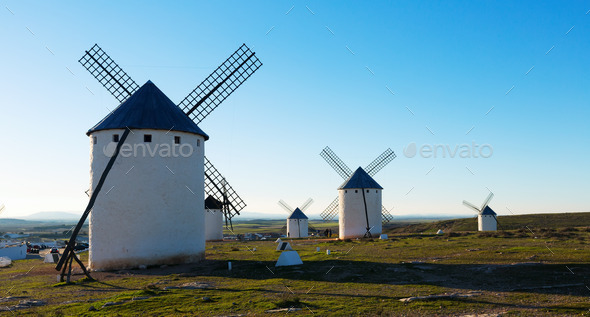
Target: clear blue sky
column 326, row 80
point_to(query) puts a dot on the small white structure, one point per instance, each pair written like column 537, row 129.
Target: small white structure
column 213, row 219
column 439, row 231
column 297, row 224
column 150, row 210
column 383, row 236
column 486, row 220
column 51, row 258
column 359, row 202
column 284, row 246
column 288, row 258
column 5, row 261
column 14, row 252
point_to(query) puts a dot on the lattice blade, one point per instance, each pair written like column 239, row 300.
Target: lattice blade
column 470, row 205
column 108, row 73
column 286, row 206
column 336, row 163
column 220, row 84
column 487, row 201
column 216, row 186
column 331, row 211
column 385, row 215
column 2, row 206
column 306, row 204
column 380, row 162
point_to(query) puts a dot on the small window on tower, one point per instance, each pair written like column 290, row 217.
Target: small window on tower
column 176, row 140
column 115, row 138
column 94, row 140
column 198, row 142
column 147, row 138
column 356, row 190
column 367, row 191
column 376, row 191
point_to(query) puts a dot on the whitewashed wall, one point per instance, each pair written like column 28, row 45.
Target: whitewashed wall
column 486, row 223
column 14, row 252
column 150, row 210
column 297, row 228
column 352, row 220
column 213, row 225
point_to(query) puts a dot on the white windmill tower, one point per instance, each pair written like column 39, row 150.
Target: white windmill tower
column 359, row 202
column 213, row 219
column 297, row 222
column 149, row 155
column 486, row 217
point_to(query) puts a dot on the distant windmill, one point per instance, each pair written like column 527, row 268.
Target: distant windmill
column 345, row 172
column 2, row 207
column 486, row 217
column 297, row 222
column 145, row 110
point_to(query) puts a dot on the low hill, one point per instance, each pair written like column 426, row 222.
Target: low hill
column 52, row 215
column 549, row 220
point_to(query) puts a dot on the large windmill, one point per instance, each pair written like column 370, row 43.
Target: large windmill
column 345, row 172
column 486, row 217
column 196, row 106
column 297, row 223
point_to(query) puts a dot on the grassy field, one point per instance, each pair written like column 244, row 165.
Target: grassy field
column 510, row 273
column 545, row 221
column 273, row 226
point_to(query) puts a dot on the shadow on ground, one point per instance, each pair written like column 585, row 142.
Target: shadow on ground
column 563, row 279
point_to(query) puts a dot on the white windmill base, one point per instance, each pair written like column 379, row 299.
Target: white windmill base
column 213, row 225
column 486, row 223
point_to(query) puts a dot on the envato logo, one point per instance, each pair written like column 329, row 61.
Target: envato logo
column 464, row 150
column 149, row 150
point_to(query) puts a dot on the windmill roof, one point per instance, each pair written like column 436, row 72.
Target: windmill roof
column 488, row 211
column 297, row 214
column 148, row 108
column 212, row 203
column 360, row 179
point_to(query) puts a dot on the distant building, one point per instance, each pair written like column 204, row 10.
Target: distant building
column 297, row 224
column 486, row 220
column 213, row 219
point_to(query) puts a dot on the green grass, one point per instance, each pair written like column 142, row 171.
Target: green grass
column 532, row 221
column 359, row 278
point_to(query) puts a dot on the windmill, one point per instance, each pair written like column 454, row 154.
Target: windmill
column 198, row 104
column 2, row 207
column 345, row 172
column 486, row 217
column 297, row 223
column 207, row 96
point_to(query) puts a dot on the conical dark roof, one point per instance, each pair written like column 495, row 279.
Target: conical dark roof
column 488, row 211
column 148, row 108
column 212, row 203
column 360, row 179
column 297, row 214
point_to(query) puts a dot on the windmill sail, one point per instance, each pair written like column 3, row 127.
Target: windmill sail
column 108, row 73
column 216, row 186
column 286, row 206
column 220, row 84
column 470, row 205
